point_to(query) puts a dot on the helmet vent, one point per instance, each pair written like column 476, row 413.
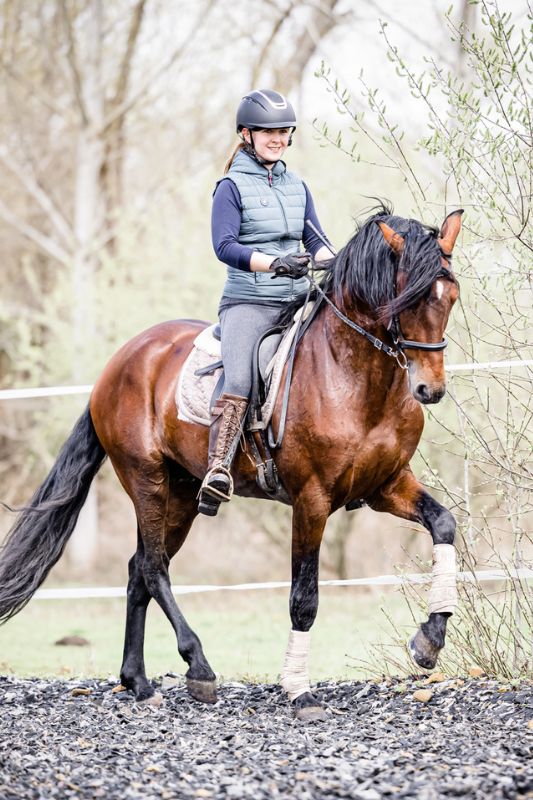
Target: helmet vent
column 280, row 105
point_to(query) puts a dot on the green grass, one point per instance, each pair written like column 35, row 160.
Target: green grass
column 244, row 635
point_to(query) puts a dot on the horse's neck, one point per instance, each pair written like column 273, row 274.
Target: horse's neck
column 354, row 355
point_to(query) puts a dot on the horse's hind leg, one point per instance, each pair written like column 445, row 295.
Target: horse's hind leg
column 133, row 672
column 406, row 497
column 181, row 512
column 165, row 503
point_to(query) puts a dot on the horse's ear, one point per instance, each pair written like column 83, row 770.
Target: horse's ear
column 393, row 239
column 450, row 231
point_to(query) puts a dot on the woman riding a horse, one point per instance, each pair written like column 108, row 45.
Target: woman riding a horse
column 258, row 216
column 371, row 356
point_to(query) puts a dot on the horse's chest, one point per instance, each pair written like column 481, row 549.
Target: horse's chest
column 363, row 451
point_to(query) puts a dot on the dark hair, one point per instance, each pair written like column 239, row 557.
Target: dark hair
column 366, row 268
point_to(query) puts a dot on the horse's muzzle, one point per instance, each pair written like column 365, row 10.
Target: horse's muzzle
column 427, row 394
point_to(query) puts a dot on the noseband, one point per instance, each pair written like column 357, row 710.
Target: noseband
column 410, row 344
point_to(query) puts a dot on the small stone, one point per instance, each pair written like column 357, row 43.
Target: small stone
column 81, row 742
column 119, row 688
column 422, row 695
column 435, row 677
column 72, row 641
column 476, row 672
column 366, row 794
column 120, row 748
column 154, row 700
column 169, row 682
column 78, row 691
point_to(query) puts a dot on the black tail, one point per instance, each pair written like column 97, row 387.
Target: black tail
column 38, row 537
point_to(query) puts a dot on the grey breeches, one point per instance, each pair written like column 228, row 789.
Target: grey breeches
column 241, row 326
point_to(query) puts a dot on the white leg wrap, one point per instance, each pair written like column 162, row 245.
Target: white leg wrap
column 443, row 591
column 295, row 676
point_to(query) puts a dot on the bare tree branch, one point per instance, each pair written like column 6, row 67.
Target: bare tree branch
column 73, row 61
column 44, row 242
column 287, row 73
column 264, row 50
column 125, row 64
column 38, row 94
column 127, row 105
column 410, row 30
column 32, row 186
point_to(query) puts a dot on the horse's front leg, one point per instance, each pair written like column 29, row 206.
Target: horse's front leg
column 406, row 497
column 308, row 522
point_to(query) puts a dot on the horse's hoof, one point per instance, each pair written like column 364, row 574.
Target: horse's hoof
column 203, row 691
column 308, row 709
column 310, row 714
column 154, row 700
column 423, row 652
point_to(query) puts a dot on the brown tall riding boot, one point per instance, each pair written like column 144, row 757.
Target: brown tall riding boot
column 229, row 412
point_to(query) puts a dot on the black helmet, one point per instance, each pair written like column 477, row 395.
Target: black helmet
column 264, row 108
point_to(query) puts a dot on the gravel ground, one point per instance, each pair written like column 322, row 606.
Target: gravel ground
column 61, row 739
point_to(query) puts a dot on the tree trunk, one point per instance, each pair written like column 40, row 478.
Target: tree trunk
column 87, row 194
column 88, row 228
column 286, row 71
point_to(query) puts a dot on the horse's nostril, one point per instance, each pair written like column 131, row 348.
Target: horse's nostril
column 426, row 394
column 422, row 392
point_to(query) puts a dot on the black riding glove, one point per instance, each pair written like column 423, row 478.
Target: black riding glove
column 293, row 265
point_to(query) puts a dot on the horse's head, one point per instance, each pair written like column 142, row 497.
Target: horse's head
column 418, row 328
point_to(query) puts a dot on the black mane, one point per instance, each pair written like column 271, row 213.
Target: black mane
column 365, row 269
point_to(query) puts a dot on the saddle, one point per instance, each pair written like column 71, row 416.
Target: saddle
column 201, row 382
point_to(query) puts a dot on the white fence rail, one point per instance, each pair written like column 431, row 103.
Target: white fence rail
column 57, row 391
column 380, row 580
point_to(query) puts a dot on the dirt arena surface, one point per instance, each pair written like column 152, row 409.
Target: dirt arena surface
column 79, row 739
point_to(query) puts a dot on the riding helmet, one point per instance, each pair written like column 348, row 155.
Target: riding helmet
column 264, row 108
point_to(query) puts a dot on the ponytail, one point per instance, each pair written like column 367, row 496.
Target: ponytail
column 239, row 146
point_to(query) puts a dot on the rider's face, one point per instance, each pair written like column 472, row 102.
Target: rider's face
column 270, row 145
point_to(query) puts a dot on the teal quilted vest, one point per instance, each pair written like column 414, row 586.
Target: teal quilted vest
column 272, row 222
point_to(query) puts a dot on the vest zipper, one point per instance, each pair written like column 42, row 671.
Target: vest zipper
column 286, row 225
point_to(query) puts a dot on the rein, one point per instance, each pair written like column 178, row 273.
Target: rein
column 395, row 331
column 399, row 355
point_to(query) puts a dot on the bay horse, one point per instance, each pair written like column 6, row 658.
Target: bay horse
column 354, row 420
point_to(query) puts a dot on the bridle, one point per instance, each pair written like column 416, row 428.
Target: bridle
column 302, row 325
column 394, row 327
column 396, row 331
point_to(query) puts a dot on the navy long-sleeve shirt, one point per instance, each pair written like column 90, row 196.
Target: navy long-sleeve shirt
column 226, row 223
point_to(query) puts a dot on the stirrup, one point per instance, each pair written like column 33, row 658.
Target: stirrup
column 210, row 488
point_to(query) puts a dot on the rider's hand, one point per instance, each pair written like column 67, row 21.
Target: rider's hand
column 293, row 265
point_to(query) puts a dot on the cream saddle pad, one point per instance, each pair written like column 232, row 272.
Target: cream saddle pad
column 194, row 391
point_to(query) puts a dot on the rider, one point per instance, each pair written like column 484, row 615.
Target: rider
column 257, row 224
